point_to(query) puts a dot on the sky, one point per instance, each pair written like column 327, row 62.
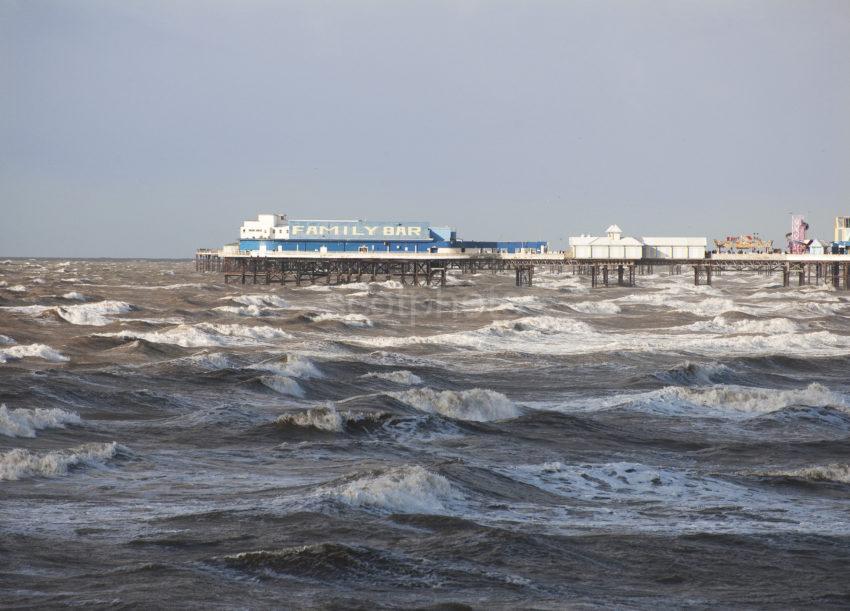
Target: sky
column 149, row 129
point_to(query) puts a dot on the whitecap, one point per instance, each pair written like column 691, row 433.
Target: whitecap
column 39, row 351
column 204, row 335
column 403, row 377
column 25, row 422
column 18, row 464
column 477, row 404
column 93, row 314
column 405, row 489
column 351, row 320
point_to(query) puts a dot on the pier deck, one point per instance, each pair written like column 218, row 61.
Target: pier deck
column 426, row 269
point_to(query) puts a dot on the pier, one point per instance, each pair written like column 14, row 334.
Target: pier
column 429, row 269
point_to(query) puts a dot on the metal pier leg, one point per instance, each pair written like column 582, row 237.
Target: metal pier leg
column 605, row 275
column 786, row 276
column 708, row 275
column 696, row 275
column 619, row 275
column 594, row 272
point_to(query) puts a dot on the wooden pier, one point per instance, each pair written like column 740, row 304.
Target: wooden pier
column 429, row 269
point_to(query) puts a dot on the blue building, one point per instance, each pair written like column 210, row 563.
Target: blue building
column 274, row 232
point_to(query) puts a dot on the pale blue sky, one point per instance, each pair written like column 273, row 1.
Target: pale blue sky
column 151, row 128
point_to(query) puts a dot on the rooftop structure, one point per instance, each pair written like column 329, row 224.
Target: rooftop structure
column 614, row 246
column 842, row 229
column 744, row 244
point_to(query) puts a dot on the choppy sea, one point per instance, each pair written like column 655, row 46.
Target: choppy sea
column 168, row 440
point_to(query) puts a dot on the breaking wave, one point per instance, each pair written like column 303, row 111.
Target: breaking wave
column 351, row 320
column 93, row 314
column 477, row 404
column 5, row 340
column 405, row 489
column 770, row 326
column 827, row 473
column 284, row 374
column 25, row 422
column 260, row 300
column 321, row 418
column 205, row 335
column 74, row 295
column 403, row 377
column 596, row 307
column 38, row 351
column 736, row 398
column 19, row 464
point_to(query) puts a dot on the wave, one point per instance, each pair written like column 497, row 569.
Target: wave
column 707, row 307
column 624, row 479
column 30, row 310
column 5, row 340
column 251, row 310
column 351, row 320
column 695, row 373
column 285, row 374
column 262, row 300
column 558, row 335
column 328, row 419
column 828, row 473
column 477, row 404
column 74, row 295
column 206, row 335
column 93, row 314
column 330, row 562
column 25, row 422
column 720, row 324
column 290, row 366
column 596, row 307
column 392, row 285
column 405, row 489
column 19, row 464
column 402, row 377
column 743, row 399
column 283, row 385
column 38, row 351
column 17, row 288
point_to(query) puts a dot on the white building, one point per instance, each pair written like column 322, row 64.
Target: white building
column 266, row 227
column 674, row 248
column 816, row 247
column 842, row 228
column 614, row 246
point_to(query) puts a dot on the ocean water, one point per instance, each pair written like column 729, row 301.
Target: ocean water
column 169, row 440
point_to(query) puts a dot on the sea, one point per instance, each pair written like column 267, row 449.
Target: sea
column 169, row 440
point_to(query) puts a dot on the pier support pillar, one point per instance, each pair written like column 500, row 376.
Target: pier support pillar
column 605, row 275
column 620, row 275
column 786, row 276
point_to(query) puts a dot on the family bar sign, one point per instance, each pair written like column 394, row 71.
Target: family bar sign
column 357, row 230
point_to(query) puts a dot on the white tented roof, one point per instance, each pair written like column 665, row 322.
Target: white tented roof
column 675, row 241
column 613, row 229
